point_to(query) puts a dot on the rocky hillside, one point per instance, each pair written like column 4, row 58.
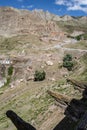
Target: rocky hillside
column 37, row 40
column 14, row 21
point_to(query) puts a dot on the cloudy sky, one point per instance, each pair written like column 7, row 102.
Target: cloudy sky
column 59, row 7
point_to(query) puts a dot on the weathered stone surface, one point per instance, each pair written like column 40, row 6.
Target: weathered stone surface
column 62, row 99
column 80, row 84
column 50, row 63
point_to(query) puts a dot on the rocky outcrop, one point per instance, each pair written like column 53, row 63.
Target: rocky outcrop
column 80, row 85
column 75, row 108
column 66, row 18
column 62, row 99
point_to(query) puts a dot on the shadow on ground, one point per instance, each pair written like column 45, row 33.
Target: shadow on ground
column 74, row 113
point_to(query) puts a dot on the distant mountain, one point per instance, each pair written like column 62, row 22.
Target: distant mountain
column 38, row 22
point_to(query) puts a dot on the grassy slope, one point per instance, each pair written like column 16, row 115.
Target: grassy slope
column 32, row 102
column 72, row 25
column 16, row 44
column 30, row 99
column 79, row 45
column 84, row 73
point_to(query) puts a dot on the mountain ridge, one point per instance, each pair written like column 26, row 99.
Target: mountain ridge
column 16, row 21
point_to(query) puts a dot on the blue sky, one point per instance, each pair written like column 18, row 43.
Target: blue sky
column 59, row 7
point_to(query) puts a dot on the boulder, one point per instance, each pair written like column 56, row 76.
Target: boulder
column 49, row 63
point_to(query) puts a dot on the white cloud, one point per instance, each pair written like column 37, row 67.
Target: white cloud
column 77, row 7
column 27, row 7
column 73, row 4
column 60, row 2
column 81, row 2
column 30, row 6
column 63, row 2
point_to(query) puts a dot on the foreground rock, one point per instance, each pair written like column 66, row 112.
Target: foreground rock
column 80, row 85
column 75, row 108
column 62, row 99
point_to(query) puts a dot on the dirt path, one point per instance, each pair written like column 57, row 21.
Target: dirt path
column 61, row 46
